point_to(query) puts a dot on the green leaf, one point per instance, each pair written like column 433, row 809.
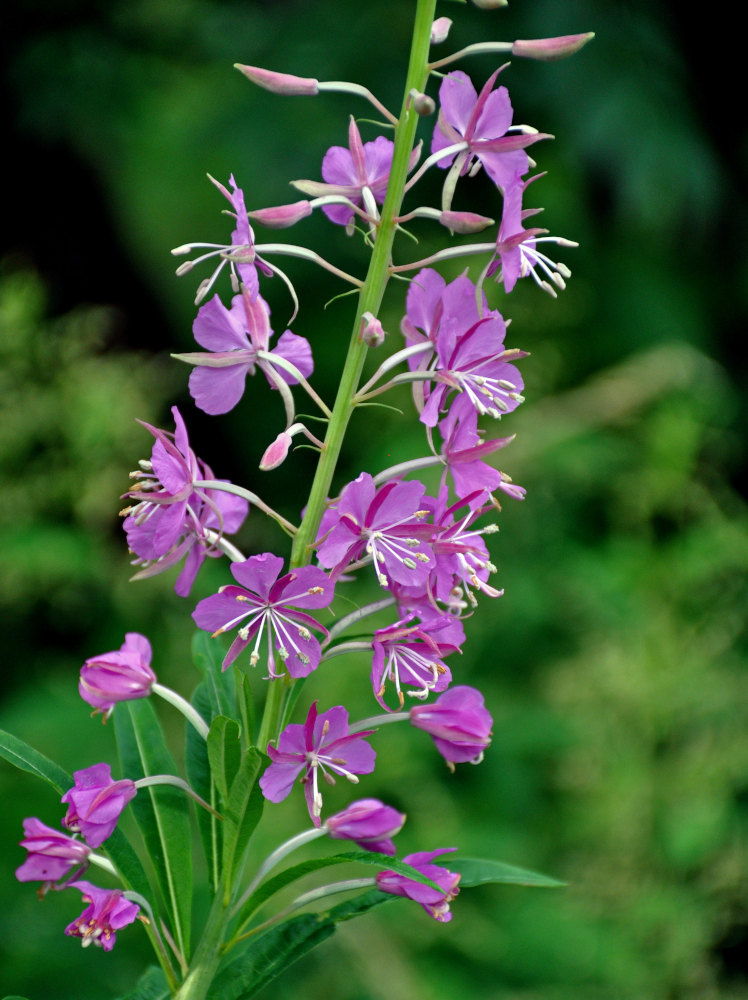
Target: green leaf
column 246, row 704
column 128, row 864
column 274, row 950
column 242, row 811
column 162, row 813
column 478, row 871
column 224, row 753
column 150, row 986
column 381, row 861
column 27, row 759
column 199, row 777
column 207, row 655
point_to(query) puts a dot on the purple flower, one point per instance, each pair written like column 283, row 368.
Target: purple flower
column 240, row 254
column 51, row 854
column 410, row 654
column 462, row 450
column 458, row 722
column 363, row 167
column 269, row 606
column 170, row 518
column 368, row 823
column 323, row 744
column 517, row 248
column 118, row 676
column 106, row 913
column 95, row 803
column 480, row 122
column 233, row 338
column 385, row 523
column 435, row 903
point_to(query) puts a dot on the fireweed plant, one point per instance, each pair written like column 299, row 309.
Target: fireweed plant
column 427, row 554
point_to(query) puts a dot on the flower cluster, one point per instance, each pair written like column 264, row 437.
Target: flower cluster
column 425, row 544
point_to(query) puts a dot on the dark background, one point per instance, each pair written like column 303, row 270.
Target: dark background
column 615, row 664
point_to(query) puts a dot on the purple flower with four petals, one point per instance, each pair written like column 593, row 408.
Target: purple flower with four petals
column 412, row 655
column 435, row 903
column 118, row 676
column 95, row 803
column 322, row 743
column 170, row 517
column 459, row 723
column 369, row 823
column 385, row 523
column 269, row 606
column 52, row 854
column 107, row 912
column 232, row 338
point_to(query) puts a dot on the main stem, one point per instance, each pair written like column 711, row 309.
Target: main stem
column 369, row 300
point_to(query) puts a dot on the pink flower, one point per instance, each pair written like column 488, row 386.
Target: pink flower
column 458, row 722
column 435, row 903
column 323, row 744
column 95, row 803
column 368, row 823
column 51, row 854
column 267, row 605
column 107, row 912
column 119, row 676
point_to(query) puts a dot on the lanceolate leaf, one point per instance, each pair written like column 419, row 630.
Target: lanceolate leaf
column 224, row 752
column 198, row 775
column 478, row 871
column 162, row 813
column 151, row 986
column 207, row 654
column 277, row 948
column 242, row 811
column 27, row 759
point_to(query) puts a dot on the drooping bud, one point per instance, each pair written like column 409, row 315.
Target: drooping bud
column 548, row 49
column 491, row 4
column 280, row 83
column 465, row 222
column 95, row 802
column 282, row 216
column 372, row 332
column 440, row 30
column 369, row 823
column 276, row 453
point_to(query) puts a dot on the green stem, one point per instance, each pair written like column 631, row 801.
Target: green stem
column 208, row 955
column 370, row 299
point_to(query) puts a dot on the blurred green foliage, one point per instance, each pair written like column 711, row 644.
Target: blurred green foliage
column 615, row 664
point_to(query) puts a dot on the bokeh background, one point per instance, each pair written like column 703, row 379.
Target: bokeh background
column 615, row 663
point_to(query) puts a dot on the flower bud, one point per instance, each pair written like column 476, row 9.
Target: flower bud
column 282, row 216
column 276, row 453
column 458, row 722
column 118, row 676
column 423, row 105
column 435, row 903
column 51, row 854
column 371, row 333
column 368, row 823
column 440, row 30
column 465, row 222
column 491, row 4
column 548, row 49
column 279, row 83
column 95, row 803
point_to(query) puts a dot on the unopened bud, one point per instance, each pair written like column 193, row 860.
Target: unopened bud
column 548, row 49
column 372, row 332
column 276, row 453
column 423, row 105
column 465, row 222
column 491, row 4
column 279, row 83
column 282, row 216
column 440, row 30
